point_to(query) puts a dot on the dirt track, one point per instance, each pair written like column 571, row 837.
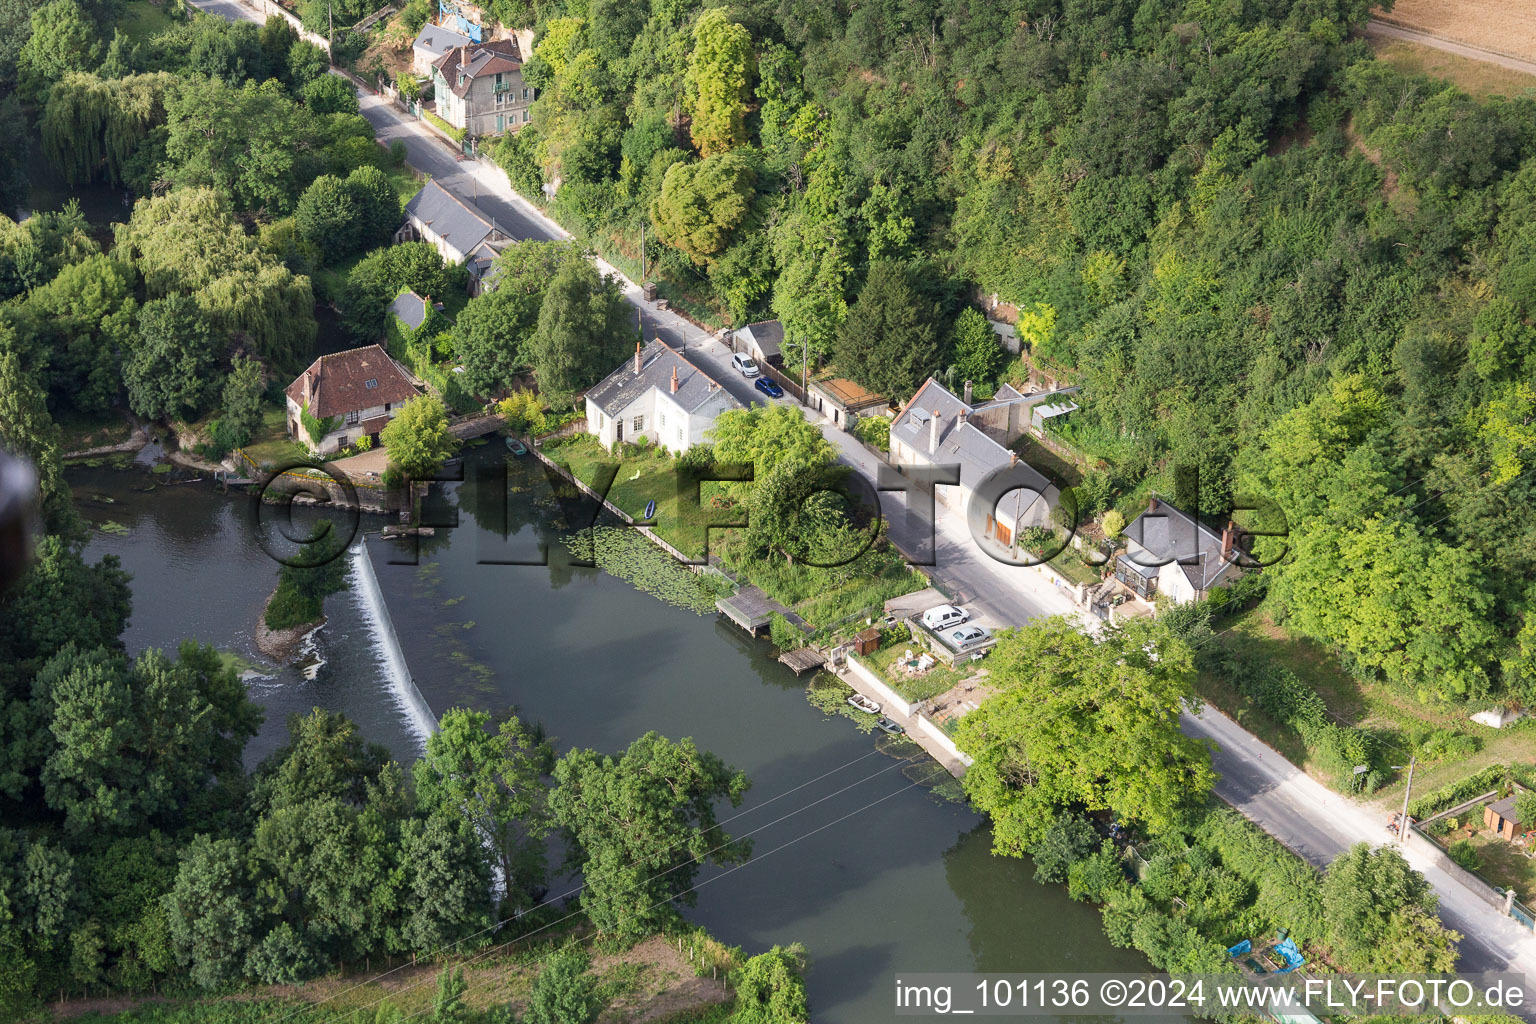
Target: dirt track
column 1382, row 30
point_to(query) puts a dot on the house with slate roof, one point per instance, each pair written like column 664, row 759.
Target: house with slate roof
column 460, row 233
column 352, row 394
column 937, row 428
column 658, row 395
column 431, row 43
column 479, row 87
column 1170, row 552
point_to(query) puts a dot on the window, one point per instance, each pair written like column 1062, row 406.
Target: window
column 370, row 384
column 351, row 418
column 527, row 116
column 386, row 407
column 639, row 424
column 525, row 92
column 661, row 418
column 679, row 433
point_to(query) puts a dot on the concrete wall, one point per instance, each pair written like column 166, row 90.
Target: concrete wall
column 939, row 736
column 885, row 694
column 1429, row 848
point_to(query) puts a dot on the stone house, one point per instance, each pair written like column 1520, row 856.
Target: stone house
column 658, row 395
column 352, row 394
column 460, row 233
column 479, row 88
column 431, row 43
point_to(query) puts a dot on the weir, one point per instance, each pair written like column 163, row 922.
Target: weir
column 386, row 645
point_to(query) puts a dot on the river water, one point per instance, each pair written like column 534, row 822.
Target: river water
column 875, row 874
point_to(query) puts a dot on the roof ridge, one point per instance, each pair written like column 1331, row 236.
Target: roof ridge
column 686, row 361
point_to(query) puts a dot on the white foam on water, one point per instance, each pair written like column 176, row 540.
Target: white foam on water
column 386, row 646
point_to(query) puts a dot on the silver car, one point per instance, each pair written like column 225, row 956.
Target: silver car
column 967, row 636
column 745, row 364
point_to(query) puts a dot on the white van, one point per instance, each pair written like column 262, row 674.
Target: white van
column 944, row 615
column 745, row 363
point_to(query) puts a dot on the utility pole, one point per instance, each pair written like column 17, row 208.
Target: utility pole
column 642, row 255
column 1402, row 825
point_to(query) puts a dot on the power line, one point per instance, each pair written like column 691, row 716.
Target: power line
column 692, row 888
column 579, row 888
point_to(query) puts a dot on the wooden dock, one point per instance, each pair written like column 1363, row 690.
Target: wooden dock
column 748, row 608
column 803, row 660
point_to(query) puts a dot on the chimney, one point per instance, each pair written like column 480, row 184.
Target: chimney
column 637, row 359
column 1152, row 505
column 1013, row 459
column 674, row 380
column 960, row 420
column 933, row 432
column 967, row 392
column 1228, row 537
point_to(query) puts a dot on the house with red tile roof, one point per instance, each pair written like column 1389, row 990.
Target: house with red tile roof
column 479, row 87
column 345, row 396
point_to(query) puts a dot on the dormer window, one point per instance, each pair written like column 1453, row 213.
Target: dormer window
column 370, row 384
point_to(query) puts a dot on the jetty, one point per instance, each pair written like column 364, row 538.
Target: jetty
column 803, row 660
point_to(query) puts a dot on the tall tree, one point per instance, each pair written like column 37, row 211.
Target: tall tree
column 171, row 370
column 496, row 779
column 770, row 988
column 26, row 429
column 642, row 825
column 328, row 218
column 585, row 329
column 1080, row 720
column 888, row 343
column 490, row 338
column 701, row 204
column 1381, row 913
column 719, row 82
column 979, row 357
column 240, row 402
column 418, row 439
column 63, row 39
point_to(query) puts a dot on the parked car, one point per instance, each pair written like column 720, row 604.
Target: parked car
column 943, row 616
column 888, row 726
column 966, row 636
column 769, row 387
column 745, row 364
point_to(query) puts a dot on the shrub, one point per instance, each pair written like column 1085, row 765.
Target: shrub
column 786, row 635
column 874, row 430
column 1464, row 853
column 1068, row 839
column 523, row 411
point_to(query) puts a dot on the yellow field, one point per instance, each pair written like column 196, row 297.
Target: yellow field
column 1503, row 26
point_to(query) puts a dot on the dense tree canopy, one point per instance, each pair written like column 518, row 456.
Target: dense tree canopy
column 1084, row 721
column 585, row 328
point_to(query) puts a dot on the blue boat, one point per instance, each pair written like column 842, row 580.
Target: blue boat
column 650, row 509
column 516, row 447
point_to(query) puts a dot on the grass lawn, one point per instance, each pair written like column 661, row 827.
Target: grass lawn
column 271, row 446
column 1395, row 717
column 1505, row 865
column 1478, row 78
column 930, row 684
column 1071, row 565
column 141, row 19
column 642, row 479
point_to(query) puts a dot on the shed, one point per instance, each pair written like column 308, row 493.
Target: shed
column 1501, row 817
column 842, row 399
column 867, row 641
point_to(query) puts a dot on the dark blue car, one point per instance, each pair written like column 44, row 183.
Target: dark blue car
column 768, row 387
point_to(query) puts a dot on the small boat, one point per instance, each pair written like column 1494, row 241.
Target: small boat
column 886, row 725
column 864, row 704
column 516, row 447
column 650, row 509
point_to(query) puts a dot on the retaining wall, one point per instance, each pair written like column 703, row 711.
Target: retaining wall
column 1431, row 849
column 885, row 694
column 936, row 733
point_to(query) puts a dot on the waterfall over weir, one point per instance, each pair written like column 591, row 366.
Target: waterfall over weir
column 386, row 646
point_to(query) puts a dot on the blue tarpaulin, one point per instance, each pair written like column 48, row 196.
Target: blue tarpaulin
column 1293, row 959
column 1242, row 947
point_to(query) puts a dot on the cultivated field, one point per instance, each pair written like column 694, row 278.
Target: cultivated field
column 1503, row 26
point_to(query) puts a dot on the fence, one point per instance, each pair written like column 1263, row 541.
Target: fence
column 789, row 386
column 1522, row 914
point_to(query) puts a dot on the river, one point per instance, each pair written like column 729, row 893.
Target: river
column 875, row 874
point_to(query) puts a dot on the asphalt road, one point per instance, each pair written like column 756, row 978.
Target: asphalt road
column 1318, row 824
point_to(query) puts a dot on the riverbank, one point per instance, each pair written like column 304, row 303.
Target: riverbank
column 660, row 979
column 281, row 644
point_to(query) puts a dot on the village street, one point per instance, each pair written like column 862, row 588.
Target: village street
column 1296, row 809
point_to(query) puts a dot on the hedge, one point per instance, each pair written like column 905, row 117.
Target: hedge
column 456, row 134
column 1495, row 776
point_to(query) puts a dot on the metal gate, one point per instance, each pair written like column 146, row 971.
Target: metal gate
column 1521, row 913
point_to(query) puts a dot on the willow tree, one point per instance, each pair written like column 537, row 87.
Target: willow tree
column 93, row 126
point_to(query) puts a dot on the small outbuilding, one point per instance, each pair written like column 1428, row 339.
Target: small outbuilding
column 1502, row 818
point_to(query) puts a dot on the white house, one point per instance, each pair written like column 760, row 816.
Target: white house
column 937, row 428
column 353, row 394
column 658, row 395
column 1170, row 552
